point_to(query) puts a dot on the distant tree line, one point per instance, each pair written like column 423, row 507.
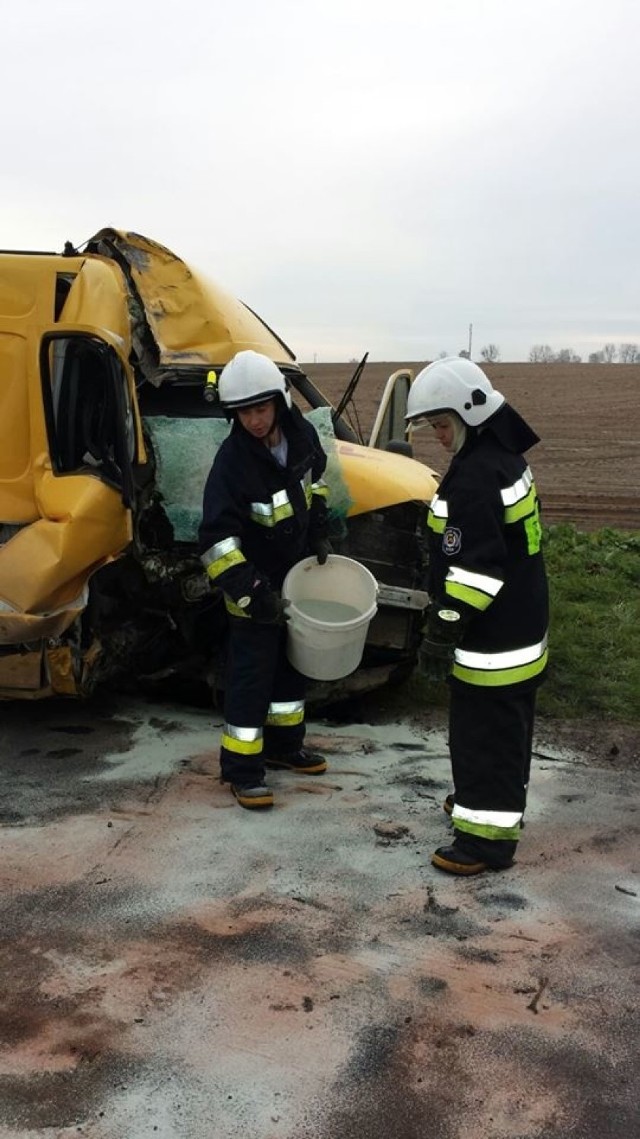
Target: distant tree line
column 609, row 354
column 490, row 354
column 544, row 354
column 624, row 354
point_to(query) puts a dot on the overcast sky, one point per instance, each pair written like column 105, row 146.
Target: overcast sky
column 367, row 175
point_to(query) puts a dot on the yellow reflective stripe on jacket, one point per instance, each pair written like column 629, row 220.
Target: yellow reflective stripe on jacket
column 487, row 824
column 270, row 513
column 243, row 741
column 522, row 509
column 521, row 505
column 519, row 491
column 495, row 669
column 221, row 556
column 307, row 487
column 438, row 514
column 233, row 609
column 320, row 488
column 285, row 713
column 475, row 589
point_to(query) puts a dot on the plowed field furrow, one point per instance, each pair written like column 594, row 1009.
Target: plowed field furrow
column 588, row 419
column 592, row 513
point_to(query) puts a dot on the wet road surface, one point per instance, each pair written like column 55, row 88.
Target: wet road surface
column 176, row 967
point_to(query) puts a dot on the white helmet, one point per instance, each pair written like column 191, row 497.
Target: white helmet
column 251, row 378
column 453, row 384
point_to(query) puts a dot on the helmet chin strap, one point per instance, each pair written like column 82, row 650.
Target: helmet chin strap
column 459, row 434
column 275, row 434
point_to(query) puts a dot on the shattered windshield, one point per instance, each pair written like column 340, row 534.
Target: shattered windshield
column 185, row 448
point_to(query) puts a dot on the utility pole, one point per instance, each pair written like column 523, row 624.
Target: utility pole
column 470, row 336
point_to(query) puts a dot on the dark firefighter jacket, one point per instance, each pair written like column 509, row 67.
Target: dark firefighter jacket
column 259, row 518
column 485, row 559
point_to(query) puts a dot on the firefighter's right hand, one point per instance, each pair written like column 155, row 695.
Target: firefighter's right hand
column 269, row 608
column 322, row 548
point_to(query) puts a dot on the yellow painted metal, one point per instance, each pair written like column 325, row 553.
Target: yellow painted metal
column 16, row 486
column 193, row 321
column 383, row 478
column 20, row 674
column 98, row 300
column 60, row 668
column 27, row 300
column 96, row 304
column 82, row 525
column 68, row 526
column 73, row 524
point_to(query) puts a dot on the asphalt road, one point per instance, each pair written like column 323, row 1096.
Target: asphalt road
column 176, row 967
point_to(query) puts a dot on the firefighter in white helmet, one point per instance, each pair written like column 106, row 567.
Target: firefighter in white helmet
column 265, row 508
column 487, row 619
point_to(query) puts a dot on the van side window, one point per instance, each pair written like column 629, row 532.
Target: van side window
column 88, row 407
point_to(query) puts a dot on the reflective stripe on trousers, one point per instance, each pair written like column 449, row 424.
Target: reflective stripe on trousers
column 490, row 739
column 264, row 701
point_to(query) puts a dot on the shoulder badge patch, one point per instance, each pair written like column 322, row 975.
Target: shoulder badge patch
column 451, row 540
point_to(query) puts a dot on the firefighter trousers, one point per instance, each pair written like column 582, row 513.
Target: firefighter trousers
column 263, row 704
column 490, row 740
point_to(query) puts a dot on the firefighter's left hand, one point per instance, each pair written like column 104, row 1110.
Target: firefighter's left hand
column 322, row 548
column 442, row 632
column 435, row 659
column 444, row 629
column 438, row 649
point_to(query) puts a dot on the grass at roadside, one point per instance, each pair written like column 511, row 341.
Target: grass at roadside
column 594, row 653
column 594, row 583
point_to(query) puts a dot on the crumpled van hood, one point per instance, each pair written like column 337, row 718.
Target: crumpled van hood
column 192, row 321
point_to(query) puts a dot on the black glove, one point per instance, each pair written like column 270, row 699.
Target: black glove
column 269, row 608
column 439, row 650
column 322, row 548
column 435, row 659
column 443, row 631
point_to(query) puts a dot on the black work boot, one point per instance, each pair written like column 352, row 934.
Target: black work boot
column 474, row 856
column 255, row 797
column 303, row 762
column 456, row 861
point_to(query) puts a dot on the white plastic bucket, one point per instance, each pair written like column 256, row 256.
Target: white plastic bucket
column 327, row 649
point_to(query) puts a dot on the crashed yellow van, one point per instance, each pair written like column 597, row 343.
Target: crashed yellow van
column 107, row 436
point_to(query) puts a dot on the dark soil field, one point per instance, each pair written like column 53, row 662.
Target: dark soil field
column 587, row 416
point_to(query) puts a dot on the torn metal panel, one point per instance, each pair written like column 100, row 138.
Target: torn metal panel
column 61, row 668
column 82, row 525
column 193, row 322
column 398, row 597
column 98, row 300
column 21, row 672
